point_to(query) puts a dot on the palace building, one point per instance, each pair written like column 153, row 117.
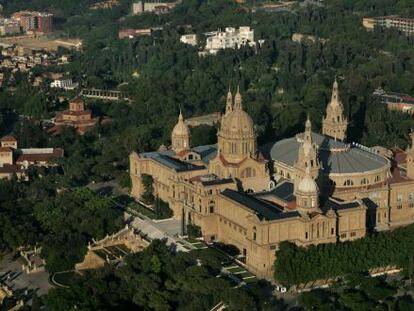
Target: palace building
column 308, row 189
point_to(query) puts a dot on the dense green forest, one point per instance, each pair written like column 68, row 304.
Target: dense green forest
column 172, row 282
column 281, row 81
column 63, row 224
column 297, row 265
column 360, row 293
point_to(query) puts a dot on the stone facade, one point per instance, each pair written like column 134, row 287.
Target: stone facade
column 308, row 189
column 112, row 249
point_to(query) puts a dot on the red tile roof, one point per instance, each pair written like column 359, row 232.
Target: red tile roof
column 40, row 157
column 8, row 169
column 8, row 138
column 182, row 153
column 397, row 177
column 76, row 100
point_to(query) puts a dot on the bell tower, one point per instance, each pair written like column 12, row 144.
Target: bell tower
column 307, row 155
column 334, row 124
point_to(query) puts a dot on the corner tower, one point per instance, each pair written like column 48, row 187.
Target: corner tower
column 334, row 124
column 180, row 136
column 236, row 136
column 307, row 155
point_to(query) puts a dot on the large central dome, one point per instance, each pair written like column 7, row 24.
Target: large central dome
column 237, row 124
column 236, row 137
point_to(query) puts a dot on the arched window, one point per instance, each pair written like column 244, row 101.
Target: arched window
column 348, row 183
column 377, row 178
column 248, row 172
column 364, row 181
column 211, row 206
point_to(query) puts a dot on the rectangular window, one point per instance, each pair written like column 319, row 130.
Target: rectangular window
column 254, row 236
column 411, row 200
column 332, row 231
column 353, row 234
column 343, row 235
column 399, row 201
column 306, row 235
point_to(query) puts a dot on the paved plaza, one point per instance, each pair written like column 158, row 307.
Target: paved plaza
column 18, row 280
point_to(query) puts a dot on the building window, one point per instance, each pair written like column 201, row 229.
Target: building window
column 332, row 231
column 306, row 235
column 211, row 209
column 343, row 235
column 411, row 200
column 254, row 236
column 353, row 234
column 399, row 201
column 377, row 178
column 348, row 183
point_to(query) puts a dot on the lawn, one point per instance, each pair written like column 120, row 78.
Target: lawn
column 142, row 210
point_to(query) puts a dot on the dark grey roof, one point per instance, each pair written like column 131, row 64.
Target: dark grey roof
column 206, row 152
column 335, row 156
column 175, row 164
column 369, row 203
column 264, row 210
column 217, row 182
column 284, row 191
column 338, row 205
column 167, row 158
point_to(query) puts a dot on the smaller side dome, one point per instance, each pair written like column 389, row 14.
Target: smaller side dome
column 180, row 136
column 307, row 184
column 181, row 129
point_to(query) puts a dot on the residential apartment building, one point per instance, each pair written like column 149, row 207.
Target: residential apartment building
column 157, row 7
column 9, row 26
column 34, row 21
column 396, row 101
column 405, row 25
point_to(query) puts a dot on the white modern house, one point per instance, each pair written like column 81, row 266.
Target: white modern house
column 190, row 39
column 64, row 83
column 231, row 38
